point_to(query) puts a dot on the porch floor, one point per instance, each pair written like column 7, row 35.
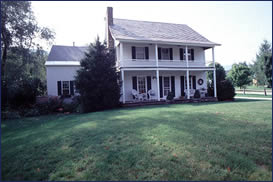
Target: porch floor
column 162, row 101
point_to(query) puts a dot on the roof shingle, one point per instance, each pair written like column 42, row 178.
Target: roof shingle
column 156, row 31
column 66, row 53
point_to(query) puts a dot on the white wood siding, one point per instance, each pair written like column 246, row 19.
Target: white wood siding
column 58, row 73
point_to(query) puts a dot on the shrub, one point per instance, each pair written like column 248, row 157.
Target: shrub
column 54, row 103
column 197, row 94
column 170, row 96
column 10, row 115
column 225, row 90
column 32, row 112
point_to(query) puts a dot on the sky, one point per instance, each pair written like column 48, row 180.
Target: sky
column 240, row 27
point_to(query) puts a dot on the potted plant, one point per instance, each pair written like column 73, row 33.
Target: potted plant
column 170, row 97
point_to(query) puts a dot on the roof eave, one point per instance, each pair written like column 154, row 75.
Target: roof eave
column 212, row 44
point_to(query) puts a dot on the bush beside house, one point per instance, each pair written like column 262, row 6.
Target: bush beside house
column 225, row 88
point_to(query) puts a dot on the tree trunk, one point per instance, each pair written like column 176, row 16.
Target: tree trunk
column 244, row 91
column 4, row 58
column 265, row 91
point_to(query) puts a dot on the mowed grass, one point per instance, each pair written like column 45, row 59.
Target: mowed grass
column 200, row 141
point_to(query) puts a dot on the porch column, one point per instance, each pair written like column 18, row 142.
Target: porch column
column 214, row 82
column 213, row 61
column 214, row 73
column 188, row 77
column 123, row 88
column 188, row 85
column 156, row 55
column 121, row 53
column 157, row 80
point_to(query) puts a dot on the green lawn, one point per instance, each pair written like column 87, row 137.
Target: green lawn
column 253, row 95
column 200, row 141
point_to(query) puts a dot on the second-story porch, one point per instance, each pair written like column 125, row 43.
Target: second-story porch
column 152, row 55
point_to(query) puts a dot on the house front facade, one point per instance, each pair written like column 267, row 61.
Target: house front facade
column 154, row 59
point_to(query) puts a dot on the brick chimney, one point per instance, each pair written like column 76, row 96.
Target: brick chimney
column 109, row 22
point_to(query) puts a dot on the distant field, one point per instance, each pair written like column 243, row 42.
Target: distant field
column 254, row 88
column 253, row 95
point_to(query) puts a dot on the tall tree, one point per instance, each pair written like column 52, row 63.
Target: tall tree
column 97, row 80
column 262, row 67
column 22, row 58
column 240, row 74
column 19, row 28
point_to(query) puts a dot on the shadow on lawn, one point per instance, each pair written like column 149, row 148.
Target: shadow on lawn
column 128, row 144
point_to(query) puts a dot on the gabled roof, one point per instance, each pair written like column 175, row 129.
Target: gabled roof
column 66, row 53
column 123, row 29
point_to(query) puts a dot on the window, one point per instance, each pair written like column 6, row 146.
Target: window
column 165, row 53
column 190, row 56
column 140, row 53
column 65, row 87
column 190, row 80
column 141, row 84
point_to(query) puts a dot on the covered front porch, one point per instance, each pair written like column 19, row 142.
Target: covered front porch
column 154, row 85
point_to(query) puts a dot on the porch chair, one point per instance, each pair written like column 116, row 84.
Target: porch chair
column 151, row 94
column 135, row 95
column 192, row 91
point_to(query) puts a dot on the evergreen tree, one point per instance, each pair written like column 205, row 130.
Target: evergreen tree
column 262, row 67
column 98, row 80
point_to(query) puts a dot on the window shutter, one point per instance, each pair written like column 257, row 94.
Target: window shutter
column 59, row 86
column 192, row 54
column 71, row 87
column 182, row 85
column 181, row 50
column 149, row 83
column 133, row 52
column 134, row 79
column 147, row 52
column 194, row 82
column 173, row 84
column 160, row 87
column 171, row 53
column 159, row 53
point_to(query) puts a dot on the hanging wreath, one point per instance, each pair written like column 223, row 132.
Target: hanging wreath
column 200, row 81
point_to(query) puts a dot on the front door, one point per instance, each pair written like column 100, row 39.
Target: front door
column 166, row 86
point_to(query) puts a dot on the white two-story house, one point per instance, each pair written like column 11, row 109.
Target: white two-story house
column 154, row 59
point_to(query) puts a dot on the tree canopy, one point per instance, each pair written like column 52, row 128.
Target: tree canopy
column 23, row 58
column 98, row 79
column 240, row 74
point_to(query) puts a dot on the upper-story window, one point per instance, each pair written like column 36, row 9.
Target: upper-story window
column 165, row 53
column 140, row 53
column 190, row 54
